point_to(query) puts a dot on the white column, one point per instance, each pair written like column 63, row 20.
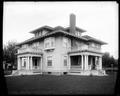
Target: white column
column 69, row 62
column 82, row 61
column 91, row 62
column 41, row 63
column 96, row 66
column 86, row 62
column 18, row 63
column 28, row 64
column 31, row 63
column 100, row 63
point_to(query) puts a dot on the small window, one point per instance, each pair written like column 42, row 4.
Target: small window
column 49, row 61
column 65, row 60
column 24, row 46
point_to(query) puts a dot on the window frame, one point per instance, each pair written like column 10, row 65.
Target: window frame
column 65, row 63
column 50, row 58
column 49, row 40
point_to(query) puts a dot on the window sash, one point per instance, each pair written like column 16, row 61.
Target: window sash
column 65, row 60
column 49, row 61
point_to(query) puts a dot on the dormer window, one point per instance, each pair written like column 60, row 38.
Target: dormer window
column 44, row 32
column 36, row 44
column 78, row 33
column 24, row 46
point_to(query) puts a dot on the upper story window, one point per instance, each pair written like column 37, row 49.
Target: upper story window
column 49, row 43
column 65, row 42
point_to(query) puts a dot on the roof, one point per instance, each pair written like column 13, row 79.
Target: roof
column 89, row 38
column 43, row 27
column 61, row 30
column 55, row 28
column 53, row 33
column 81, row 30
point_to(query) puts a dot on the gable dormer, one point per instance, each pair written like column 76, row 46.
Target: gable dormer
column 42, row 31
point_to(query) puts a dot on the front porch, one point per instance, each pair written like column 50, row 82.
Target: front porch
column 86, row 63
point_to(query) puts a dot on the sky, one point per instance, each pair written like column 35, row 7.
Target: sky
column 99, row 19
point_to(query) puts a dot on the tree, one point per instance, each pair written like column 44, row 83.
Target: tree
column 109, row 61
column 9, row 53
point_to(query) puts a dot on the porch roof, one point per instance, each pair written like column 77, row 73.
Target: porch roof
column 35, row 53
column 89, row 38
column 81, row 51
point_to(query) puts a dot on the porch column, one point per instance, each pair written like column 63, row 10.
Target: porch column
column 91, row 62
column 82, row 62
column 69, row 62
column 100, row 63
column 96, row 66
column 86, row 62
column 41, row 63
column 28, row 64
column 18, row 63
column 31, row 62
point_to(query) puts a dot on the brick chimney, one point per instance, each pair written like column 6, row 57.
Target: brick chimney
column 72, row 23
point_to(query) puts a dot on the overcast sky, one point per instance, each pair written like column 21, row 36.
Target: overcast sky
column 99, row 19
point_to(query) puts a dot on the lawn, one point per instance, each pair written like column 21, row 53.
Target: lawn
column 65, row 84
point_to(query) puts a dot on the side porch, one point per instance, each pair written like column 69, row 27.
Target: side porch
column 29, row 63
column 86, row 63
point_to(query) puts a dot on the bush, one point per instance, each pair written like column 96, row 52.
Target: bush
column 7, row 72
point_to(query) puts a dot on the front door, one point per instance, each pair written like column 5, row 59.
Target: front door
column 36, row 63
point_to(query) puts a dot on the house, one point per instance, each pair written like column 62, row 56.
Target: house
column 59, row 51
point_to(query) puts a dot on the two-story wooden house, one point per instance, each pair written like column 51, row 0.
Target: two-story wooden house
column 60, row 50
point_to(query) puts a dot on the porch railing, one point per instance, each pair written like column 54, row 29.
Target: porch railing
column 84, row 48
column 29, row 49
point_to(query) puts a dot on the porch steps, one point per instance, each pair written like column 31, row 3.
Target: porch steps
column 37, row 71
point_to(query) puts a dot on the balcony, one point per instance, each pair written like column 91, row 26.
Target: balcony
column 29, row 49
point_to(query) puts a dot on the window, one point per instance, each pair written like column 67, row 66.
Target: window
column 65, row 60
column 65, row 42
column 44, row 32
column 49, row 61
column 49, row 43
column 24, row 46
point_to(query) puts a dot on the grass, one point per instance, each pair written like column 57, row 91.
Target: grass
column 65, row 84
